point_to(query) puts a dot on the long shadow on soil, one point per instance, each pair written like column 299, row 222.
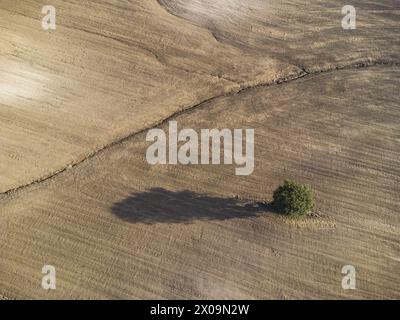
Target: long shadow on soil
column 163, row 206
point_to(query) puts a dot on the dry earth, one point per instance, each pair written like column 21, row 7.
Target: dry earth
column 77, row 192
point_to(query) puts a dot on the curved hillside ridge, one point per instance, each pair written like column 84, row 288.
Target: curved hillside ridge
column 308, row 34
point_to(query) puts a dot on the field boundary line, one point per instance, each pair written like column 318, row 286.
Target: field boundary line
column 302, row 74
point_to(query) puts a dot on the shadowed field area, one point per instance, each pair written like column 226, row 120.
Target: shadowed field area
column 182, row 207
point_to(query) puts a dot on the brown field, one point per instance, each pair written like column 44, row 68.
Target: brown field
column 76, row 191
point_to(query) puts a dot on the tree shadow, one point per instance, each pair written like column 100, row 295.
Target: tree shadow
column 159, row 205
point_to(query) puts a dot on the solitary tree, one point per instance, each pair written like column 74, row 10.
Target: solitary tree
column 293, row 199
